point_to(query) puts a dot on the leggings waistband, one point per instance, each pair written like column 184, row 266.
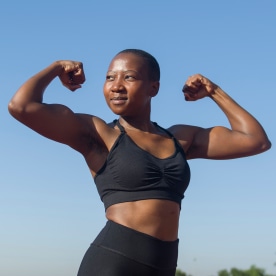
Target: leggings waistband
column 138, row 246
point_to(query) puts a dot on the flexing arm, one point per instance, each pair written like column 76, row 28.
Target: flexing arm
column 246, row 136
column 54, row 121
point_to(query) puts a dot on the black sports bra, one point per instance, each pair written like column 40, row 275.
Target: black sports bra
column 131, row 173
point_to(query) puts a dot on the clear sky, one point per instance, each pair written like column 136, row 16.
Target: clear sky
column 49, row 208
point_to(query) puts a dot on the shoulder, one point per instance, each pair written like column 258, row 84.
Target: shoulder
column 186, row 135
column 96, row 133
column 96, row 124
column 184, row 132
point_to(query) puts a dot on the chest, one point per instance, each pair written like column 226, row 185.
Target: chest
column 132, row 166
column 158, row 146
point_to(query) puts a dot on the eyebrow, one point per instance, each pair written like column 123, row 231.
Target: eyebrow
column 126, row 71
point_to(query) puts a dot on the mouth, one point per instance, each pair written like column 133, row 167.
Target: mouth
column 118, row 100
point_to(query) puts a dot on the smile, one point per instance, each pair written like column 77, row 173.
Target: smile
column 118, row 100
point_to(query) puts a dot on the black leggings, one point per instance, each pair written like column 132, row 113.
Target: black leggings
column 120, row 251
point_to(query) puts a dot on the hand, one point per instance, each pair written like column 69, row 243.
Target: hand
column 72, row 74
column 198, row 87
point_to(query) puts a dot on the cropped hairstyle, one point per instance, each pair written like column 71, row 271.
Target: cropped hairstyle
column 154, row 69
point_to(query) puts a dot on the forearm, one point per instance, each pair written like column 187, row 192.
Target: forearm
column 54, row 121
column 33, row 89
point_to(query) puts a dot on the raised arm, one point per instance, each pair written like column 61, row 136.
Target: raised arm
column 246, row 136
column 54, row 121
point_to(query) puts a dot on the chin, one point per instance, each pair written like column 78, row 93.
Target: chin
column 118, row 111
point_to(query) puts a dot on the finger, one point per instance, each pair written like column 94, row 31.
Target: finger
column 190, row 88
column 197, row 78
column 75, row 78
column 73, row 87
column 189, row 97
column 190, row 94
column 70, row 76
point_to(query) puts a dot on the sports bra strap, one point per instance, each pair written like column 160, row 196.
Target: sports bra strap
column 165, row 130
column 172, row 136
column 117, row 123
column 122, row 129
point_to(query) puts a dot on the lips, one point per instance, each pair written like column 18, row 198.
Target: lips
column 118, row 100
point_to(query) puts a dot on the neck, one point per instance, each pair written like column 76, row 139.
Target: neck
column 141, row 124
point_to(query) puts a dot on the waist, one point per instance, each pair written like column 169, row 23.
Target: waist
column 130, row 195
column 154, row 217
column 137, row 246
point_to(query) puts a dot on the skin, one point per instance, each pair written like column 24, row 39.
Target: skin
column 128, row 91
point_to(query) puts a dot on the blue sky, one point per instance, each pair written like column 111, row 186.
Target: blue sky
column 50, row 210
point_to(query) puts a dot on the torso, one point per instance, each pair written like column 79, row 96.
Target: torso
column 155, row 217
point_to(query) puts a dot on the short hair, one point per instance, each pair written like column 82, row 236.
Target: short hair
column 154, row 69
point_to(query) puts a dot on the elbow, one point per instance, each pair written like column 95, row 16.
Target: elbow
column 263, row 146
column 16, row 110
column 257, row 145
column 266, row 145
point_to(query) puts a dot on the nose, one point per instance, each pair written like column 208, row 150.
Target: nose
column 117, row 86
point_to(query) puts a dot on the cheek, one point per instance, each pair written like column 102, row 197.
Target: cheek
column 105, row 90
column 106, row 94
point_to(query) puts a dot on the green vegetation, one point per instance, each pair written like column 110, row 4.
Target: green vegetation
column 180, row 273
column 252, row 271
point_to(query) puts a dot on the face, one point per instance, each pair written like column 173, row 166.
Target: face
column 128, row 89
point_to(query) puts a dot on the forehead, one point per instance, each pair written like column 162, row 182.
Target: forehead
column 127, row 61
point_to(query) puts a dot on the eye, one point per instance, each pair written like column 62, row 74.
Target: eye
column 110, row 77
column 130, row 77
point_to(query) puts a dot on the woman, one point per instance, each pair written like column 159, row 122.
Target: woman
column 139, row 168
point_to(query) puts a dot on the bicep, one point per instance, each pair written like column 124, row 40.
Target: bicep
column 54, row 121
column 220, row 143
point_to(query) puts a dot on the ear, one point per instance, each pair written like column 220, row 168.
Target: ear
column 154, row 88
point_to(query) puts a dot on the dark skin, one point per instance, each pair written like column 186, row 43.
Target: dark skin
column 128, row 91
